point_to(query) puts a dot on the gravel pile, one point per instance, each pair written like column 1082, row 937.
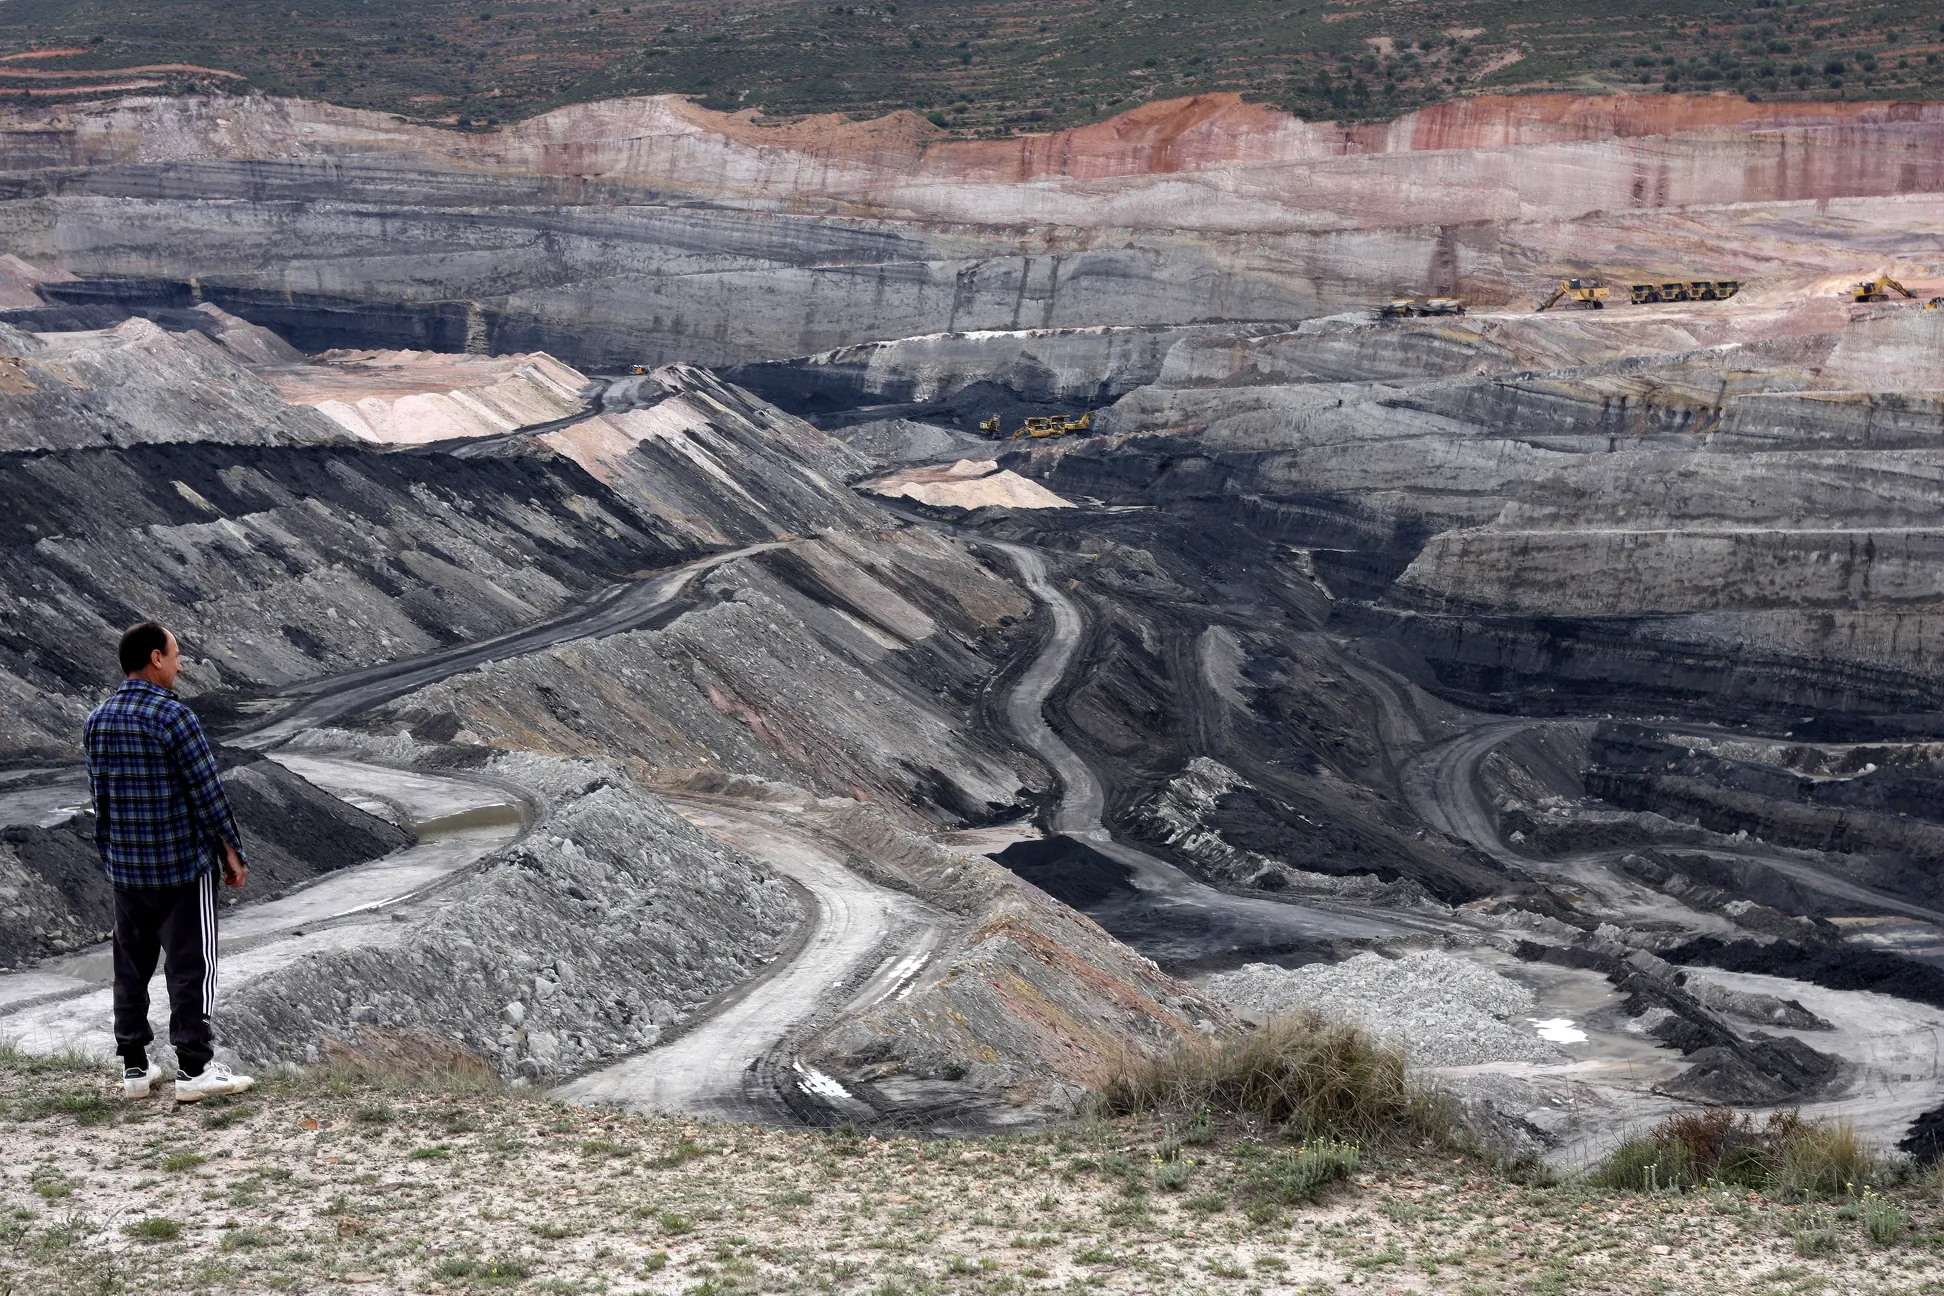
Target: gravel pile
column 1444, row 1011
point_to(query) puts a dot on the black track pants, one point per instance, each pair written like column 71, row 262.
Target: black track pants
column 181, row 921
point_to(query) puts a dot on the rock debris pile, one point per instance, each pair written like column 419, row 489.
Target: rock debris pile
column 610, row 922
column 1444, row 1011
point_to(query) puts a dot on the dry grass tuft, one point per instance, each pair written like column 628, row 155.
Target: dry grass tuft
column 1784, row 1154
column 1316, row 1078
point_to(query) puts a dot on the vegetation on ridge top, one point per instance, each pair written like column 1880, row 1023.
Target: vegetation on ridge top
column 975, row 67
column 347, row 1181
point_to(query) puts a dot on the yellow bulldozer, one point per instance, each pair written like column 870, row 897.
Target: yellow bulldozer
column 1686, row 290
column 1588, row 294
column 1878, row 289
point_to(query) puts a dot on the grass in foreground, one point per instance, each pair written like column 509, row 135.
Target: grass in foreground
column 1784, row 1155
column 323, row 1183
column 1307, row 1075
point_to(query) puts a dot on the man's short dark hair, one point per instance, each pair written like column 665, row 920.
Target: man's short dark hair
column 138, row 641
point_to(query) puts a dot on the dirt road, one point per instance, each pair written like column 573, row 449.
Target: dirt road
column 861, row 943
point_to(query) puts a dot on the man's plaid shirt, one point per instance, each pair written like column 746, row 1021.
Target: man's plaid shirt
column 161, row 816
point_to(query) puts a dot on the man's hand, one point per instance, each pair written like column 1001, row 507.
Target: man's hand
column 234, row 873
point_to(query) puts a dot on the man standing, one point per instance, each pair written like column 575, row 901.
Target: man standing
column 164, row 828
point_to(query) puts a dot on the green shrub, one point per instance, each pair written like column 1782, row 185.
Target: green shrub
column 1172, row 1175
column 1301, row 1176
column 1820, row 1240
column 501, row 1272
column 155, row 1228
column 1823, row 1158
column 1883, row 1222
column 1645, row 1165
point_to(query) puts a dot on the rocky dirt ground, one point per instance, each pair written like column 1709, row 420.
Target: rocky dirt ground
column 342, row 1181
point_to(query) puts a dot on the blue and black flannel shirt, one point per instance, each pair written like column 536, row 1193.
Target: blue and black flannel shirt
column 161, row 817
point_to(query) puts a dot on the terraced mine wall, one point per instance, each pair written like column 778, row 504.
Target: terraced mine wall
column 282, row 565
column 643, row 230
column 1730, row 530
column 309, row 321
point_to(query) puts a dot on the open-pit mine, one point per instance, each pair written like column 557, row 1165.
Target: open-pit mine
column 820, row 624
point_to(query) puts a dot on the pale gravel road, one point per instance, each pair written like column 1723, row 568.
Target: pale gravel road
column 63, row 1003
column 863, row 943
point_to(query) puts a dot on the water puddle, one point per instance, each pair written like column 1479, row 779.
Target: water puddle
column 1558, row 1030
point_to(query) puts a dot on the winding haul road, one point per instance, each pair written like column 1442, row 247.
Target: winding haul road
column 860, row 943
column 461, row 820
column 1174, row 917
column 1892, row 1049
column 615, row 610
column 1442, row 785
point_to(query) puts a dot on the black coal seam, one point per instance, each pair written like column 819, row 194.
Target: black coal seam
column 1832, row 967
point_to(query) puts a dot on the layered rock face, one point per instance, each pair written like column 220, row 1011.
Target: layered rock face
column 138, row 383
column 579, row 232
column 1685, row 503
column 850, row 664
column 184, row 487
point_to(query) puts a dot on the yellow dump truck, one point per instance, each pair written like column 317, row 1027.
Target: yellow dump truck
column 1407, row 307
column 1053, row 425
column 1588, row 294
column 1686, row 290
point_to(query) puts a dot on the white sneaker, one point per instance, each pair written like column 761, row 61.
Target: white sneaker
column 136, row 1082
column 215, row 1079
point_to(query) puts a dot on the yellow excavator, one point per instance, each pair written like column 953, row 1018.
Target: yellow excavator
column 1588, row 294
column 1878, row 289
column 990, row 426
column 637, row 369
